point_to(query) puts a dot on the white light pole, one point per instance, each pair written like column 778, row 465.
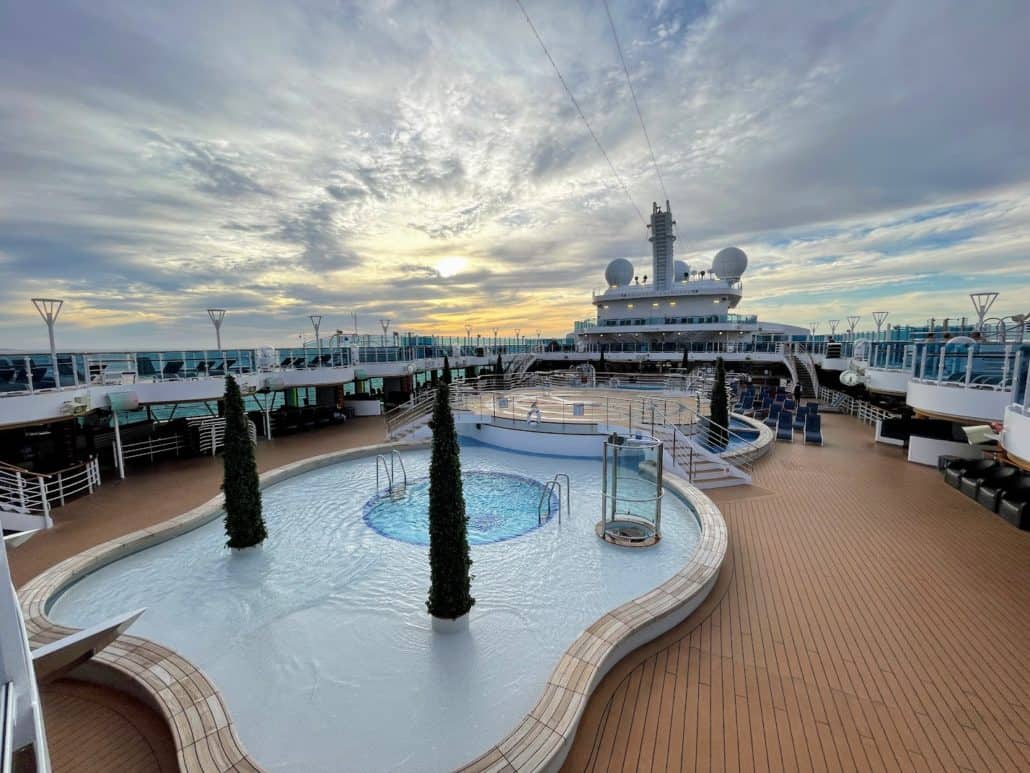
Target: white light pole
column 517, row 331
column 217, row 315
column 496, row 330
column 852, row 322
column 48, row 309
column 982, row 302
column 468, row 334
column 385, row 324
column 316, row 320
column 878, row 318
column 833, row 326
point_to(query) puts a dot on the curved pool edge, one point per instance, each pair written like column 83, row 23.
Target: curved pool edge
column 201, row 725
column 542, row 740
column 200, row 721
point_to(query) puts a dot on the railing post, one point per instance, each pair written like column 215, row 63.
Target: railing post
column 60, row 487
column 119, row 460
column 21, row 489
column 969, row 365
column 28, row 372
column 43, row 498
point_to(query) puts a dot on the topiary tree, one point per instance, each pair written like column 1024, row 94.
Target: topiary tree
column 499, row 367
column 719, row 410
column 244, row 524
column 449, row 560
column 601, row 363
column 686, row 358
column 446, row 370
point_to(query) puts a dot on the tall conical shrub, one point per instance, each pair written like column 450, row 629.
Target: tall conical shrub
column 499, row 367
column 601, row 363
column 719, row 409
column 449, row 560
column 686, row 359
column 244, row 524
column 446, row 370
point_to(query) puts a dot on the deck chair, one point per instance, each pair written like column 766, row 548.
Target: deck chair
column 800, row 417
column 969, row 483
column 814, row 429
column 221, row 368
column 1006, row 480
column 204, row 366
column 144, row 367
column 1015, row 505
column 287, row 362
column 785, row 426
column 788, row 404
column 171, row 369
column 772, row 420
column 813, row 408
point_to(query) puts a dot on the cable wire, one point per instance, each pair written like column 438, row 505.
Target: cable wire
column 625, row 69
column 580, row 111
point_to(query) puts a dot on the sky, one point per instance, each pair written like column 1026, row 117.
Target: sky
column 420, row 162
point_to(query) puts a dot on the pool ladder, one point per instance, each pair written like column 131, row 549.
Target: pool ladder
column 389, row 472
column 553, row 486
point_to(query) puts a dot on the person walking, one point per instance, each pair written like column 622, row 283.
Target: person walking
column 797, row 393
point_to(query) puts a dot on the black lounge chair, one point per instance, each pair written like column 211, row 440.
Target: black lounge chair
column 800, row 417
column 814, row 429
column 172, row 368
column 204, row 366
column 1006, row 480
column 785, row 426
column 144, row 366
column 221, row 368
column 1015, row 506
column 953, row 470
column 970, row 482
column 287, row 362
column 980, row 468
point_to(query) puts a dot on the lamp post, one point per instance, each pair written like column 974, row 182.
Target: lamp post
column 217, row 315
column 833, row 326
column 813, row 326
column 385, row 323
column 468, row 334
column 517, row 331
column 878, row 318
column 48, row 309
column 496, row 331
column 982, row 302
column 316, row 320
column 852, row 322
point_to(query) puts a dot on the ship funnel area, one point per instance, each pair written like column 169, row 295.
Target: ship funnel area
column 663, row 267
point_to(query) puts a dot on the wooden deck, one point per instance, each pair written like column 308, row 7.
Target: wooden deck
column 868, row 617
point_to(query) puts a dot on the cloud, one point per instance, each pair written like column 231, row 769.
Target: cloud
column 324, row 157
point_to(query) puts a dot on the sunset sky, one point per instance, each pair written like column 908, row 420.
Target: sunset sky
column 420, row 161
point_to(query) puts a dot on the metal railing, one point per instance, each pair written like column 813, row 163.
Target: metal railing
column 212, row 432
column 151, row 447
column 864, row 411
column 37, row 493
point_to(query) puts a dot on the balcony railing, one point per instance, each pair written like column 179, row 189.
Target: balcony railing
column 968, row 364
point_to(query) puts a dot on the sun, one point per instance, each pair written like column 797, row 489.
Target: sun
column 449, row 266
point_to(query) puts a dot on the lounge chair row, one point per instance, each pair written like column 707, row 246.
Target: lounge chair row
column 1000, row 487
column 811, row 426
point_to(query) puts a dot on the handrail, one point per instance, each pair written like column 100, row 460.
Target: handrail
column 549, row 489
column 395, row 454
column 7, row 727
column 386, row 471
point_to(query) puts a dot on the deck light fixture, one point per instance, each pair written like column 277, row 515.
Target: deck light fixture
column 316, row 320
column 385, row 323
column 217, row 315
column 48, row 309
column 878, row 318
column 852, row 322
column 833, row 326
column 982, row 302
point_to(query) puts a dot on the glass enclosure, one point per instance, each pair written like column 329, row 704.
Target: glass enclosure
column 631, row 490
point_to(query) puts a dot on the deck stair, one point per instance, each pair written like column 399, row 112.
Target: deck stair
column 804, row 367
column 521, row 363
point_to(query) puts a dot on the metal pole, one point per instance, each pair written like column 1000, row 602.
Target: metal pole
column 316, row 320
column 118, row 445
column 48, row 309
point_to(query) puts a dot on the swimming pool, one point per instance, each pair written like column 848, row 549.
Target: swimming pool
column 319, row 640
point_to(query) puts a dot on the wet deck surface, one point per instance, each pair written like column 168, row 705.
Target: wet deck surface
column 869, row 617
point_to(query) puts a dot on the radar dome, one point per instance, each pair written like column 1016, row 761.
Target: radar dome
column 730, row 263
column 680, row 271
column 619, row 273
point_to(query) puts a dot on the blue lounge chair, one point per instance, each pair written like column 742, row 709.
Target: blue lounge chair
column 774, row 415
column 813, row 408
column 800, row 417
column 785, row 426
column 172, row 368
column 814, row 429
column 788, row 404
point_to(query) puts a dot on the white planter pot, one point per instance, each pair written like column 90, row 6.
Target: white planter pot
column 446, row 625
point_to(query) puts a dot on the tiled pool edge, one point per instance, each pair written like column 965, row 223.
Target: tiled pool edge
column 200, row 722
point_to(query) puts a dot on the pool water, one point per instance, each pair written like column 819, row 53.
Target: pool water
column 499, row 506
column 319, row 639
